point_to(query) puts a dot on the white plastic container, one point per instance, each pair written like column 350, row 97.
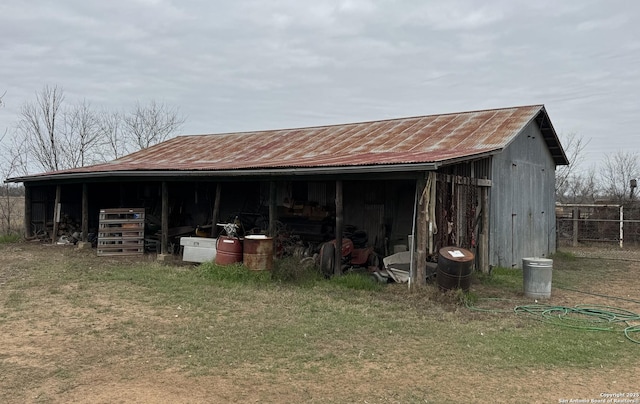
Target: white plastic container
column 198, row 249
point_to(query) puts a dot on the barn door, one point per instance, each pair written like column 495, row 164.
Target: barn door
column 514, row 213
column 529, row 226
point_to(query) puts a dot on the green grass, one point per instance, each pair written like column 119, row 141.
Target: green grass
column 228, row 275
column 291, row 271
column 534, row 340
column 505, row 278
column 9, row 238
column 357, row 281
column 291, row 322
column 563, row 256
column 568, row 271
column 571, row 271
column 530, row 344
column 226, row 315
column 16, row 300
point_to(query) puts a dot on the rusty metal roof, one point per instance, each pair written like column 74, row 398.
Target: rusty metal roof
column 437, row 139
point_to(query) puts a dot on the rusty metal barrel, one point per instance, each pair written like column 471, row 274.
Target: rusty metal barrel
column 258, row 252
column 455, row 267
column 228, row 250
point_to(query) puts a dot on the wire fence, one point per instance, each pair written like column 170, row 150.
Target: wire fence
column 588, row 224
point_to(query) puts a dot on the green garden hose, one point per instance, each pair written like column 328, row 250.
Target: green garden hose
column 584, row 317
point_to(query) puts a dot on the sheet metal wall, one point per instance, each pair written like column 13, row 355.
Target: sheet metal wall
column 384, row 209
column 522, row 200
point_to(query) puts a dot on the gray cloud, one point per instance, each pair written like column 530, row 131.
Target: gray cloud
column 253, row 64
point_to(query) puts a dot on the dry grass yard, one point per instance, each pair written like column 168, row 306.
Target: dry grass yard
column 77, row 328
column 11, row 215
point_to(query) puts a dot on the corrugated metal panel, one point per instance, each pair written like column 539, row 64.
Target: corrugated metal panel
column 435, row 138
column 411, row 140
column 373, row 220
column 482, row 168
column 522, row 201
column 317, row 192
column 41, row 210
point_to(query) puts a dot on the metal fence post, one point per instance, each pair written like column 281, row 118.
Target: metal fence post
column 621, row 226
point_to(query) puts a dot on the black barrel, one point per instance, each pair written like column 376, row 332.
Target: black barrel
column 455, row 266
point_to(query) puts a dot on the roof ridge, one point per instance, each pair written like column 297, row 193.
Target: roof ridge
column 361, row 122
column 437, row 139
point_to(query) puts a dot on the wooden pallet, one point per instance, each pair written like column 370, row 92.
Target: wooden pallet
column 121, row 231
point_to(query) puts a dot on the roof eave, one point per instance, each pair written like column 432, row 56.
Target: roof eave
column 256, row 172
column 551, row 138
column 469, row 158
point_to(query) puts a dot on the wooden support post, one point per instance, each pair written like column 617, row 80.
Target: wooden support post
column 28, row 231
column 483, row 238
column 273, row 208
column 56, row 215
column 164, row 241
column 422, row 230
column 576, row 216
column 85, row 213
column 216, row 210
column 337, row 262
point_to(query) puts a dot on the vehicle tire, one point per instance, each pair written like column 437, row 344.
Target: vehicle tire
column 327, row 258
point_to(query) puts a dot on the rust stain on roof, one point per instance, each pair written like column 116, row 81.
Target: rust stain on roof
column 424, row 139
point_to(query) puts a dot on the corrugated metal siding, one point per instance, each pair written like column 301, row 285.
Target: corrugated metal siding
column 364, row 207
column 473, row 169
column 427, row 139
column 482, row 168
column 373, row 224
column 317, row 192
column 39, row 209
column 522, row 201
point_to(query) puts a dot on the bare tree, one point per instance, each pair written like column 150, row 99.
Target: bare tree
column 113, row 143
column 616, row 174
column 569, row 178
column 11, row 163
column 80, row 136
column 580, row 187
column 57, row 137
column 38, row 125
column 150, row 124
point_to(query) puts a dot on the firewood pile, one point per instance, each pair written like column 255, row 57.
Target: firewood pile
column 67, row 226
column 69, row 231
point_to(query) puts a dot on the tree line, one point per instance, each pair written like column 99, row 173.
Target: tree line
column 613, row 181
column 52, row 134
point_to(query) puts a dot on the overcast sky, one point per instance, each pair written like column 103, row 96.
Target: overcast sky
column 267, row 64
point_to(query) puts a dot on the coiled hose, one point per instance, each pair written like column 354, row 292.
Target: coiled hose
column 584, row 317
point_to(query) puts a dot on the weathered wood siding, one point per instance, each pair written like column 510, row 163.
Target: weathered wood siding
column 522, row 201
